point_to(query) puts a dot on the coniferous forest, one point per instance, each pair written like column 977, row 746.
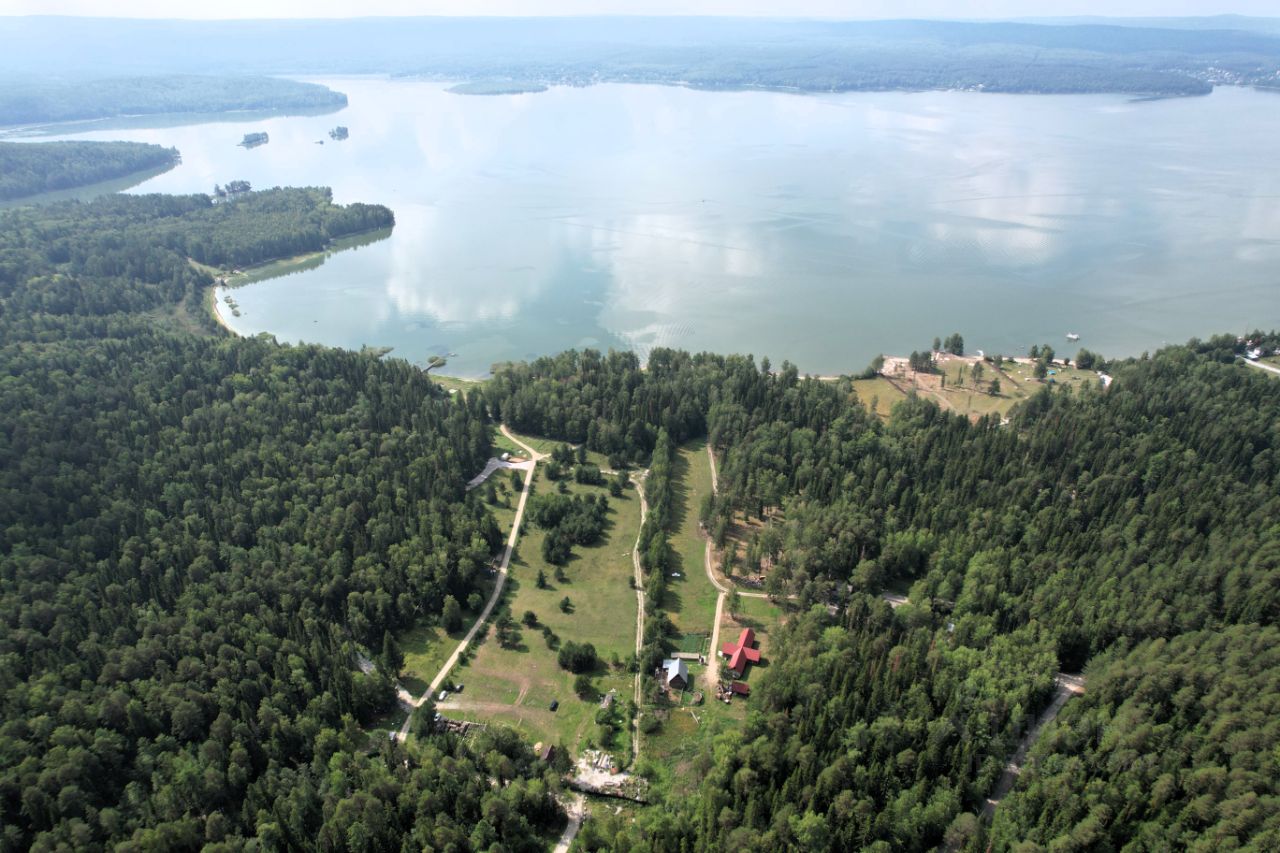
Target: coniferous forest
column 199, row 536
column 30, row 169
column 1128, row 532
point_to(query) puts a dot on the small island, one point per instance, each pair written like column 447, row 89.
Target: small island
column 253, row 140
column 497, row 87
column 338, row 134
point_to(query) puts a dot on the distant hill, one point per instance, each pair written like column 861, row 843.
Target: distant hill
column 705, row 52
column 25, row 99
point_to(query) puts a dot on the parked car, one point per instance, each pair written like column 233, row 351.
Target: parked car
column 554, row 704
column 443, row 694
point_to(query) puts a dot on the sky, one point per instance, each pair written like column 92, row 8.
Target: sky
column 772, row 8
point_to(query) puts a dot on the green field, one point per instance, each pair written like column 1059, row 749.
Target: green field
column 501, row 443
column 880, row 392
column 761, row 615
column 516, row 686
column 546, row 445
column 453, row 383
column 690, row 599
column 692, row 643
column 961, row 394
column 676, row 757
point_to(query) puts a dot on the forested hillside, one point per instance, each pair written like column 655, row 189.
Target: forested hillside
column 31, row 100
column 1091, row 522
column 33, row 168
column 198, row 535
column 1160, row 58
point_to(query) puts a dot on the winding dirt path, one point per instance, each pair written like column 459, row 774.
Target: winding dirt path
column 709, row 562
column 713, row 653
column 575, row 812
column 1068, row 685
column 639, row 579
column 534, row 456
column 1261, row 366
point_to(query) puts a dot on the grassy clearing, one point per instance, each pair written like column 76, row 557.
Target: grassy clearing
column 385, row 725
column 453, row 383
column 690, row 598
column 678, row 755
column 878, row 394
column 959, row 392
column 546, row 445
column 501, row 443
column 516, row 686
column 762, row 616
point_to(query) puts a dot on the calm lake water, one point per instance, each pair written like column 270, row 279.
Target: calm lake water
column 820, row 229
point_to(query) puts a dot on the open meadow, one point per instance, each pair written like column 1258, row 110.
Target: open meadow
column 516, row 685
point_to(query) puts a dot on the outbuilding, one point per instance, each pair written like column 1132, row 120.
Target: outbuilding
column 675, row 674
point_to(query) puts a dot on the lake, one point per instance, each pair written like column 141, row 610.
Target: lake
column 819, row 229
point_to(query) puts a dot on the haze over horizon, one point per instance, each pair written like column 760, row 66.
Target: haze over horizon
column 829, row 9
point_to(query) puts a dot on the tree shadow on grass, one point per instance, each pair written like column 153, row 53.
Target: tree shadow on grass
column 679, row 492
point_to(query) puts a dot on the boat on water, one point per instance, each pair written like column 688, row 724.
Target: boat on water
column 253, row 140
column 1072, row 336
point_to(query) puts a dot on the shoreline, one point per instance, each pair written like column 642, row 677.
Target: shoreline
column 216, row 310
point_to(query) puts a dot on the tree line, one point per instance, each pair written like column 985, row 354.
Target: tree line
column 28, row 169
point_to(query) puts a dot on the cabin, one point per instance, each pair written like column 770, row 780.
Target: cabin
column 547, row 754
column 741, row 653
column 740, row 687
column 675, row 674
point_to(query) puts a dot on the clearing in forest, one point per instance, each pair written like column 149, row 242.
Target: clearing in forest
column 690, row 598
column 515, row 686
column 960, row 392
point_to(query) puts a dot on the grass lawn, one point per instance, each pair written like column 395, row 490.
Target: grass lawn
column 515, row 686
column 962, row 394
column 762, row 616
column 546, row 445
column 453, row 383
column 690, row 598
column 676, row 756
column 500, row 443
column 879, row 391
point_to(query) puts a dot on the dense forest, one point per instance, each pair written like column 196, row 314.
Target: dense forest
column 28, row 169
column 39, row 100
column 1139, row 516
column 203, row 538
column 199, row 536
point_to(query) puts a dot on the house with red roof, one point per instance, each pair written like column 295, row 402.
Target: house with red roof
column 741, row 653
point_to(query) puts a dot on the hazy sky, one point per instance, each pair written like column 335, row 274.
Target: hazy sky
column 791, row 8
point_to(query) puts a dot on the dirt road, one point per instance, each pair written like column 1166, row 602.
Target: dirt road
column 1068, row 685
column 575, row 812
column 639, row 579
column 1261, row 366
column 497, row 587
